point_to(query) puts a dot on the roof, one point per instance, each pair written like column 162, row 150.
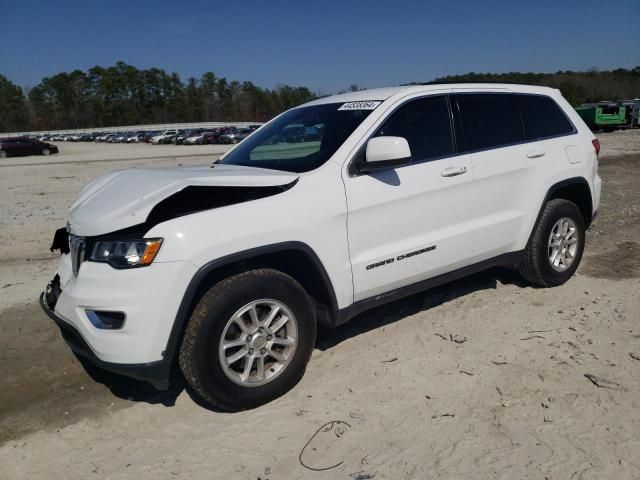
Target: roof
column 385, row 93
column 360, row 95
column 12, row 139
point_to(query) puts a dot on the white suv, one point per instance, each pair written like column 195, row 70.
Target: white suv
column 332, row 208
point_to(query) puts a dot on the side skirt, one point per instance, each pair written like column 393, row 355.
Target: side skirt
column 508, row 260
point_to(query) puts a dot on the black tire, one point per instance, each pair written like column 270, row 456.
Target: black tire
column 3, row 154
column 46, row 152
column 536, row 266
column 199, row 360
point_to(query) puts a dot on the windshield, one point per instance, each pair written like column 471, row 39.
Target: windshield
column 299, row 140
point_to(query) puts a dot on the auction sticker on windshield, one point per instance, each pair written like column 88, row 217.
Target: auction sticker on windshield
column 359, row 105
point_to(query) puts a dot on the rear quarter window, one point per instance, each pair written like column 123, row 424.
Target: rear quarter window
column 490, row 120
column 543, row 117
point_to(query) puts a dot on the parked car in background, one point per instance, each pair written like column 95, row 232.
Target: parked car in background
column 229, row 136
column 245, row 132
column 21, row 146
column 206, row 137
column 137, row 138
column 235, row 136
column 182, row 137
column 102, row 137
column 185, row 136
column 148, row 136
column 165, row 137
column 191, row 140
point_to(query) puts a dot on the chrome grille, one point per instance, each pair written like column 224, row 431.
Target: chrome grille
column 77, row 247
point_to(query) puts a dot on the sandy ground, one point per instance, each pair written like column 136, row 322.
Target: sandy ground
column 482, row 378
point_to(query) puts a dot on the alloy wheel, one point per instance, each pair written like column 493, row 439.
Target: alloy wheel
column 563, row 244
column 258, row 342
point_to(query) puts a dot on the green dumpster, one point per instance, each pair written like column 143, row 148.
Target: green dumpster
column 603, row 117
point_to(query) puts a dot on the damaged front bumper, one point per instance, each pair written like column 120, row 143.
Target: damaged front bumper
column 147, row 298
column 155, row 373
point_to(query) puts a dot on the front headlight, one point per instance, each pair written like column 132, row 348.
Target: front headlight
column 126, row 253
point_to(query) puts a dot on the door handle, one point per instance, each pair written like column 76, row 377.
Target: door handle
column 536, row 154
column 453, row 171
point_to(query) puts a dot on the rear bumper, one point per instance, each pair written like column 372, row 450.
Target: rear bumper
column 155, row 373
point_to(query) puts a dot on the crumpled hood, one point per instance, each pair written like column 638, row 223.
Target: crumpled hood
column 122, row 199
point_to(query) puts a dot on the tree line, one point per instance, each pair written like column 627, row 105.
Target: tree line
column 125, row 95
column 577, row 87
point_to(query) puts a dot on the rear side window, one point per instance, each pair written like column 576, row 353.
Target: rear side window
column 426, row 124
column 542, row 117
column 490, row 120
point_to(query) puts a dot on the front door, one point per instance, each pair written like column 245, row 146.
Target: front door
column 412, row 222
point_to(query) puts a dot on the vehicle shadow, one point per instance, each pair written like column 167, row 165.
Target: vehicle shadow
column 131, row 389
column 139, row 391
column 419, row 302
column 134, row 390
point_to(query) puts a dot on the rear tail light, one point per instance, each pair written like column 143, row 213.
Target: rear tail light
column 596, row 145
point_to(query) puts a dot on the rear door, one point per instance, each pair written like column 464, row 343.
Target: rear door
column 413, row 222
column 33, row 147
column 21, row 147
column 506, row 168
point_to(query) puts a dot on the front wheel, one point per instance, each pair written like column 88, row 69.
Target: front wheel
column 556, row 245
column 3, row 154
column 249, row 339
column 46, row 152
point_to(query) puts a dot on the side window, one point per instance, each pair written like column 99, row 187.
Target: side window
column 426, row 124
column 490, row 120
column 542, row 117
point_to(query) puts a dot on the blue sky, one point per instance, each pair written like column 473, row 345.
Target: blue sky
column 325, row 45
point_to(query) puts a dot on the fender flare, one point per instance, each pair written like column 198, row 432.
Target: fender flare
column 553, row 189
column 190, row 296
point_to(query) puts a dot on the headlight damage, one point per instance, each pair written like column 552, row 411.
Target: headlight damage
column 126, row 253
column 117, row 252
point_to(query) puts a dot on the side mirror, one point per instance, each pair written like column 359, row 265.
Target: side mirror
column 385, row 153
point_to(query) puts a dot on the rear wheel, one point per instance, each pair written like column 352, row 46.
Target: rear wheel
column 249, row 339
column 556, row 246
column 3, row 154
